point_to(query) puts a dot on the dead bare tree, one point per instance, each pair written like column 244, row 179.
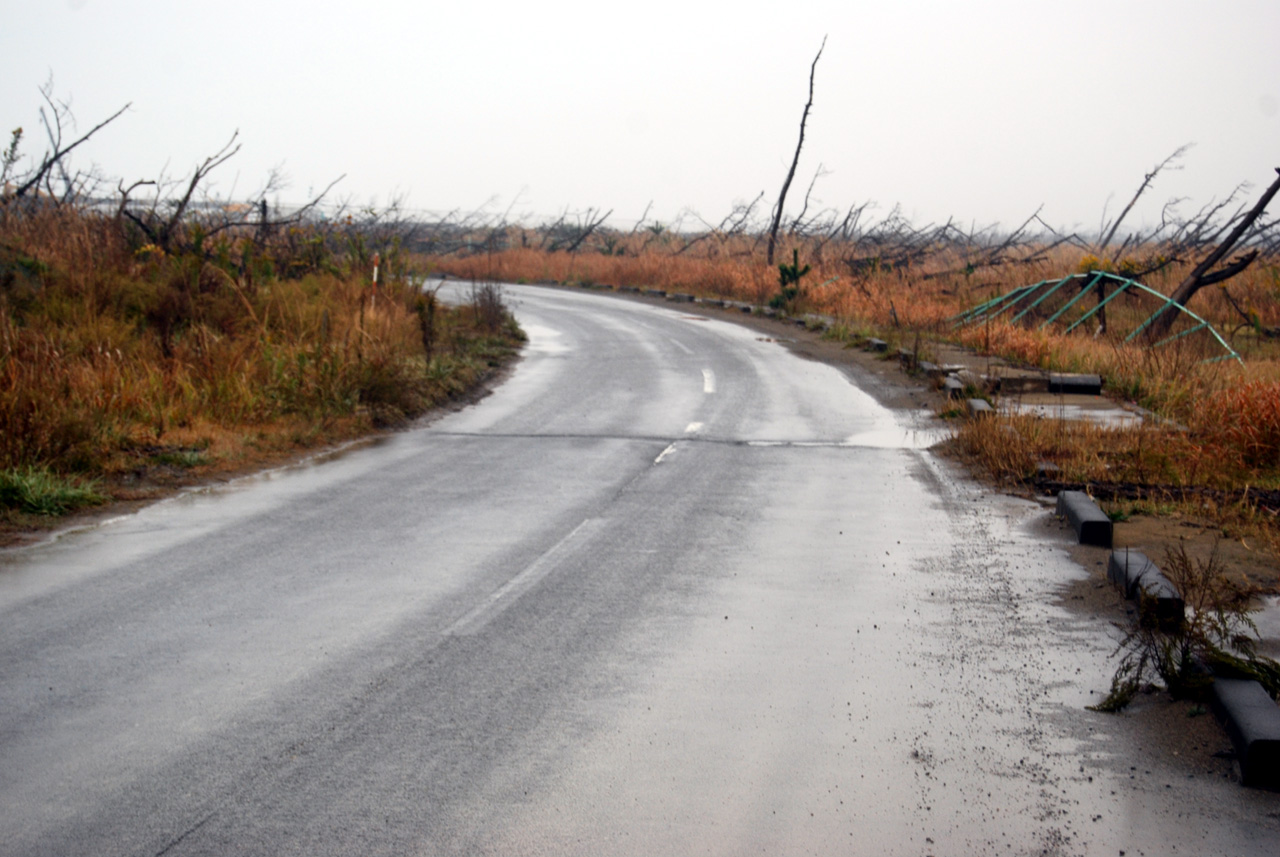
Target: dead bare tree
column 1108, row 232
column 798, row 225
column 161, row 229
column 569, row 231
column 56, row 117
column 791, row 173
column 1203, row 274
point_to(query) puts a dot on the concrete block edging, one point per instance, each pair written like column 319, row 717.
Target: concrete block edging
column 1091, row 524
column 1138, row 577
column 1252, row 720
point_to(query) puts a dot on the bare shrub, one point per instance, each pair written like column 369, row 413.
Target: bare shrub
column 1217, row 636
column 487, row 304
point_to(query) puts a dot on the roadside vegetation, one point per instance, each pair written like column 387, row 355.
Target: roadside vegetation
column 143, row 344
column 1217, row 638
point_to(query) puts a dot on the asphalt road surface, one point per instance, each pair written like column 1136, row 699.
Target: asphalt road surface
column 669, row 590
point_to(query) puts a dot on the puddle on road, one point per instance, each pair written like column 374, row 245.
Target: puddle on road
column 899, row 438
column 544, row 340
column 1267, row 620
column 1107, row 417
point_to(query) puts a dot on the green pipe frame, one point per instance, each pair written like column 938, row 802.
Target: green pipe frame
column 1011, row 299
column 1017, row 318
column 1102, row 303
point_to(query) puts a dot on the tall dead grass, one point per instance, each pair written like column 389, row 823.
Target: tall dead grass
column 109, row 345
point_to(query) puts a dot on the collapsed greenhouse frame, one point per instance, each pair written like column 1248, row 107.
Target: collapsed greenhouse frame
column 1031, row 297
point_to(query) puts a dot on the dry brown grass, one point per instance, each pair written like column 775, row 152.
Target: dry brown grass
column 114, row 352
column 926, row 298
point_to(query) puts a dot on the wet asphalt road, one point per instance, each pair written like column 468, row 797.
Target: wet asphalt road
column 669, row 590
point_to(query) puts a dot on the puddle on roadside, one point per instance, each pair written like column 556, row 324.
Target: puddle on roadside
column 1107, row 417
column 898, row 437
column 1267, row 620
column 544, row 340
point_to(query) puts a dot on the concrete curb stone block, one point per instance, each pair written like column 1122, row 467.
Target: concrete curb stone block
column 1047, row 470
column 1091, row 524
column 953, row 388
column 979, row 408
column 877, row 345
column 1084, row 385
column 1125, row 567
column 1170, row 609
column 1140, row 578
column 1024, row 384
column 1252, row 720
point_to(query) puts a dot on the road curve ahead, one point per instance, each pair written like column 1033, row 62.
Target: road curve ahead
column 668, row 590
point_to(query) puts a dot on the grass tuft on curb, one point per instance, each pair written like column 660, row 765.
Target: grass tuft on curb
column 40, row 491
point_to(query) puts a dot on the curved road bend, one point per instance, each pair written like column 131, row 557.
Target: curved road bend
column 669, row 590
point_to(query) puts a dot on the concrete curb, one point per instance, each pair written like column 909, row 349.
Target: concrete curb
column 1047, row 470
column 1252, row 719
column 1091, row 524
column 1141, row 579
column 979, row 408
column 1084, row 385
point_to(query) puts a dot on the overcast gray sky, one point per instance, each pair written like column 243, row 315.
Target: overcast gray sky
column 980, row 110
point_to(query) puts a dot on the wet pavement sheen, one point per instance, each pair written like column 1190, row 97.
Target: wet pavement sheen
column 669, row 590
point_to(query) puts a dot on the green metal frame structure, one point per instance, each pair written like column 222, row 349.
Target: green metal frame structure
column 998, row 306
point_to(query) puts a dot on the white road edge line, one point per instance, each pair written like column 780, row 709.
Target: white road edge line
column 708, row 381
column 507, row 594
column 670, row 449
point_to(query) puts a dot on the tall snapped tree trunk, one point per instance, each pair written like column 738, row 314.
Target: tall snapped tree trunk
column 1202, row 276
column 791, row 173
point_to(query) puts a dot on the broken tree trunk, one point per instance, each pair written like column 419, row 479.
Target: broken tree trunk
column 791, row 173
column 1203, row 275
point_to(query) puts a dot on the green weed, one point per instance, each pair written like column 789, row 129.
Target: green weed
column 1217, row 636
column 39, row 491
